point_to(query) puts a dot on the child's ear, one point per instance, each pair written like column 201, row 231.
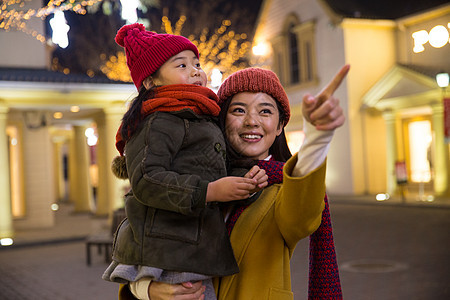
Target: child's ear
column 148, row 82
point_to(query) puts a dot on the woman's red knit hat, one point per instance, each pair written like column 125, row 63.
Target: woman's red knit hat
column 147, row 51
column 255, row 80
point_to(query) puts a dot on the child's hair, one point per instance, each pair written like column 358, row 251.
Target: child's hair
column 133, row 117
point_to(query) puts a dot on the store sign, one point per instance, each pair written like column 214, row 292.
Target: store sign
column 438, row 37
column 447, row 120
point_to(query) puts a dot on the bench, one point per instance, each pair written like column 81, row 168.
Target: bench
column 103, row 241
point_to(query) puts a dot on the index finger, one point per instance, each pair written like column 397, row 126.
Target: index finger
column 335, row 82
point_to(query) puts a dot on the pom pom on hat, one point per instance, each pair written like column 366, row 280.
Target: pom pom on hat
column 123, row 32
column 119, row 167
column 255, row 80
column 147, row 51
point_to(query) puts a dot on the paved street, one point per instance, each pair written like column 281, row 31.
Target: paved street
column 388, row 252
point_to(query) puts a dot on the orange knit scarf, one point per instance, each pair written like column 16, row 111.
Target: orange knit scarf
column 176, row 97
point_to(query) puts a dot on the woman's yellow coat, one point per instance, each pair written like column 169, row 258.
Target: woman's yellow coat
column 265, row 235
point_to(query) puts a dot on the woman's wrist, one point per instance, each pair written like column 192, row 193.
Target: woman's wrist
column 313, row 151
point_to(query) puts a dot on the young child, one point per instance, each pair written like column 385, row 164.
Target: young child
column 175, row 160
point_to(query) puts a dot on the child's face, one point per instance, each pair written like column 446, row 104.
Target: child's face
column 183, row 68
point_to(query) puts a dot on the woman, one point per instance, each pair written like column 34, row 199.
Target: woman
column 255, row 110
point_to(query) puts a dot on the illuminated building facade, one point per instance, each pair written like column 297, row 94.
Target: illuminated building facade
column 57, row 136
column 393, row 141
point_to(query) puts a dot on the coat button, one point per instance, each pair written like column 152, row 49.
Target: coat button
column 217, row 147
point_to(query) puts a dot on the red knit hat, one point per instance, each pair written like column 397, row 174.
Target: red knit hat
column 147, row 51
column 255, row 80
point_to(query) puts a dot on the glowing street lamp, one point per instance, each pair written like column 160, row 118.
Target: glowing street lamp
column 442, row 80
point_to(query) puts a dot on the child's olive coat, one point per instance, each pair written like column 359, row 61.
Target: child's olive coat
column 170, row 161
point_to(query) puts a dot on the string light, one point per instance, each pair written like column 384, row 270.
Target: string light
column 221, row 50
column 11, row 18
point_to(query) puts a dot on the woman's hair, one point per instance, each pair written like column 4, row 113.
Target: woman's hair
column 279, row 149
column 133, row 117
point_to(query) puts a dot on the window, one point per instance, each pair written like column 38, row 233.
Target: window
column 420, row 138
column 293, row 56
column 294, row 53
column 308, row 62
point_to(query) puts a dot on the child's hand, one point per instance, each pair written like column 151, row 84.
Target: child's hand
column 259, row 175
column 323, row 110
column 230, row 189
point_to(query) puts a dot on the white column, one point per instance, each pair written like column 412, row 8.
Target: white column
column 59, row 169
column 81, row 190
column 441, row 161
column 6, row 227
column 38, row 173
column 103, row 207
column 111, row 190
column 391, row 151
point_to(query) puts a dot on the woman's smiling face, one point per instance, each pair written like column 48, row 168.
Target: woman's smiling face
column 252, row 124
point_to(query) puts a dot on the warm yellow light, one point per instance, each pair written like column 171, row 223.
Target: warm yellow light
column 420, row 38
column 54, row 207
column 261, row 49
column 442, row 80
column 91, row 137
column 382, row 197
column 438, row 36
column 89, row 131
column 6, row 241
column 295, row 140
column 420, row 146
column 58, row 115
column 75, row 109
column 15, row 168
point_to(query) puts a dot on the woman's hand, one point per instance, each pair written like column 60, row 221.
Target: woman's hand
column 230, row 188
column 183, row 291
column 323, row 110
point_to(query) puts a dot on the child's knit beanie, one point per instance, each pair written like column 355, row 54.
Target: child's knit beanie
column 255, row 80
column 147, row 51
